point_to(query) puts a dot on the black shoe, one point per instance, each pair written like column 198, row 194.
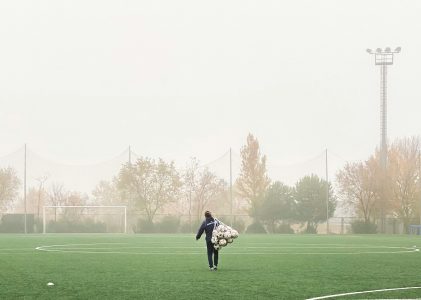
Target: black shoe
column 215, row 268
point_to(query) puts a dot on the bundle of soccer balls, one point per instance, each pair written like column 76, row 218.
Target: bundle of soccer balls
column 223, row 235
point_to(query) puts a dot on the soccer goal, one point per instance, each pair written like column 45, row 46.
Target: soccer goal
column 84, row 219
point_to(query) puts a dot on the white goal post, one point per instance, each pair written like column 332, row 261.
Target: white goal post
column 44, row 220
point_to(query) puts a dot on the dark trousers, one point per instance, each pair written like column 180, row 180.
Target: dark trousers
column 212, row 251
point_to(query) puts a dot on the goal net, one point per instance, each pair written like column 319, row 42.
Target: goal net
column 84, row 219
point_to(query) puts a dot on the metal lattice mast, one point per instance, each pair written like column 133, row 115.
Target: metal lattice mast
column 383, row 115
column 383, row 58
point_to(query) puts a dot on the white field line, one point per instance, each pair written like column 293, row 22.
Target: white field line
column 17, row 249
column 200, row 253
column 199, row 247
column 69, row 249
column 285, row 245
column 122, row 248
column 42, row 248
column 364, row 292
column 15, row 253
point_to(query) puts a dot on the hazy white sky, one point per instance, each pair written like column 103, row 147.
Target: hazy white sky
column 82, row 80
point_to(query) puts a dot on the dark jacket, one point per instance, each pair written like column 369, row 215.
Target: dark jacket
column 207, row 226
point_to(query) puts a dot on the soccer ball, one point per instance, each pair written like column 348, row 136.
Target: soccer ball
column 230, row 240
column 220, row 235
column 227, row 234
column 234, row 234
column 217, row 247
column 214, row 240
column 222, row 242
column 214, row 232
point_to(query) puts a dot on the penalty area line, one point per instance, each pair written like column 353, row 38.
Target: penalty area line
column 46, row 247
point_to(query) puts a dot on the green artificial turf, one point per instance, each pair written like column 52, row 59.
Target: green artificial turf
column 175, row 267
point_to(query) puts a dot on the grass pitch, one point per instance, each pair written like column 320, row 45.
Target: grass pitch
column 175, row 267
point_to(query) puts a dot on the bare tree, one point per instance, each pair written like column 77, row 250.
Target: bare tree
column 359, row 187
column 9, row 186
column 56, row 196
column 74, row 199
column 107, row 193
column 41, row 192
column 203, row 187
column 403, row 171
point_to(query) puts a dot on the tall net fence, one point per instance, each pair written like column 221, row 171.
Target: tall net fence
column 166, row 223
column 50, row 183
column 47, row 180
column 324, row 165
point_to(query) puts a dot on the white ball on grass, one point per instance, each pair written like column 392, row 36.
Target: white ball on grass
column 50, row 284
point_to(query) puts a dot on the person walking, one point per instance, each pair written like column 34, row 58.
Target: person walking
column 207, row 226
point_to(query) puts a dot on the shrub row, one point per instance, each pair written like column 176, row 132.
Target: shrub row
column 361, row 227
column 85, row 226
column 15, row 223
column 172, row 224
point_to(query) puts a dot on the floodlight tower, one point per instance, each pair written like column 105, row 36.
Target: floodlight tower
column 383, row 58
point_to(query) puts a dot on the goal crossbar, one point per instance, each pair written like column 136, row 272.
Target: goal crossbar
column 83, row 206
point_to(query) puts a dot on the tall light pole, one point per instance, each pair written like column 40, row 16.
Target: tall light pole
column 419, row 177
column 327, row 197
column 383, row 58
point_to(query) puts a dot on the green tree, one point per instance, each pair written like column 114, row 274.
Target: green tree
column 310, row 197
column 150, row 184
column 9, row 187
column 277, row 206
column 253, row 181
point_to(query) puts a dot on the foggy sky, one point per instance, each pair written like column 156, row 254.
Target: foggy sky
column 82, row 80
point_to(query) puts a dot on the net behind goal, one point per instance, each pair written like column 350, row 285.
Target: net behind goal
column 84, row 219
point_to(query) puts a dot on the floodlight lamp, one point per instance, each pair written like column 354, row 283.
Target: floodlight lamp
column 398, row 49
column 387, row 50
column 379, row 50
column 369, row 51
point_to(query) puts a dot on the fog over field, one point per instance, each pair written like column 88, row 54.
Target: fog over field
column 151, row 149
column 82, row 80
